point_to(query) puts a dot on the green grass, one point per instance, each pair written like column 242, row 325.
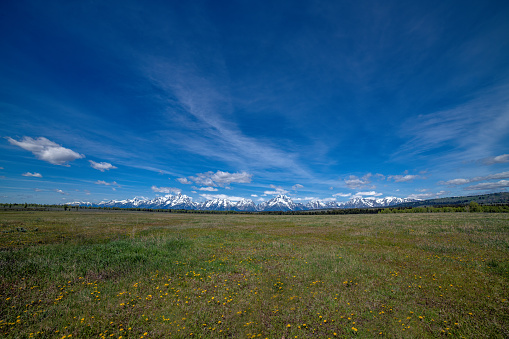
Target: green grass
column 155, row 275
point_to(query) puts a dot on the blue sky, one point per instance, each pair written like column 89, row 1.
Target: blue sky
column 248, row 99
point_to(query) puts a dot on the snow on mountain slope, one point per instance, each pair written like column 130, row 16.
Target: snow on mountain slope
column 246, row 205
column 278, row 203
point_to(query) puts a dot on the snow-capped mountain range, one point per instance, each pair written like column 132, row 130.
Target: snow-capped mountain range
column 278, row 203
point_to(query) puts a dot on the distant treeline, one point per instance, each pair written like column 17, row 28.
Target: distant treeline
column 37, row 207
column 471, row 207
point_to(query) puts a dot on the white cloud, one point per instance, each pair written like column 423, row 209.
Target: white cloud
column 297, row 186
column 277, row 190
column 101, row 166
column 35, row 174
column 254, row 195
column 424, row 196
column 221, row 178
column 220, row 196
column 488, row 185
column 184, row 181
column 38, row 190
column 47, row 150
column 166, row 189
column 355, row 182
column 209, row 189
column 342, row 195
column 370, row 193
column 61, row 192
column 421, row 196
column 454, row 182
column 500, row 159
column 402, row 178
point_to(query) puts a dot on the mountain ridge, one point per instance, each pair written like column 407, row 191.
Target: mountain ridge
column 278, row 203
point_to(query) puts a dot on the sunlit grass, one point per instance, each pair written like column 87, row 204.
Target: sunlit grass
column 149, row 275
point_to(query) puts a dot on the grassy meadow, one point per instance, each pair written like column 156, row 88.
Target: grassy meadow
column 105, row 274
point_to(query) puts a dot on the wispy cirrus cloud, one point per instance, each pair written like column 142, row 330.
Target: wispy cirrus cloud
column 441, row 134
column 35, row 174
column 47, row 150
column 204, row 107
column 297, row 186
column 101, row 166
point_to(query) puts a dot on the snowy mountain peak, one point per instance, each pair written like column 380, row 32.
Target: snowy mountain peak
column 278, row 203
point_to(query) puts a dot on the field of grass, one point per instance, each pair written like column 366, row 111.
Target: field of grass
column 157, row 275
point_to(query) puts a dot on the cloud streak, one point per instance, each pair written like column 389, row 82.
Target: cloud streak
column 455, row 182
column 184, row 181
column 277, row 190
column 167, row 190
column 221, row 178
column 488, row 186
column 402, row 178
column 500, row 159
column 205, row 105
column 220, row 196
column 370, row 193
column 354, row 182
column 442, row 133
